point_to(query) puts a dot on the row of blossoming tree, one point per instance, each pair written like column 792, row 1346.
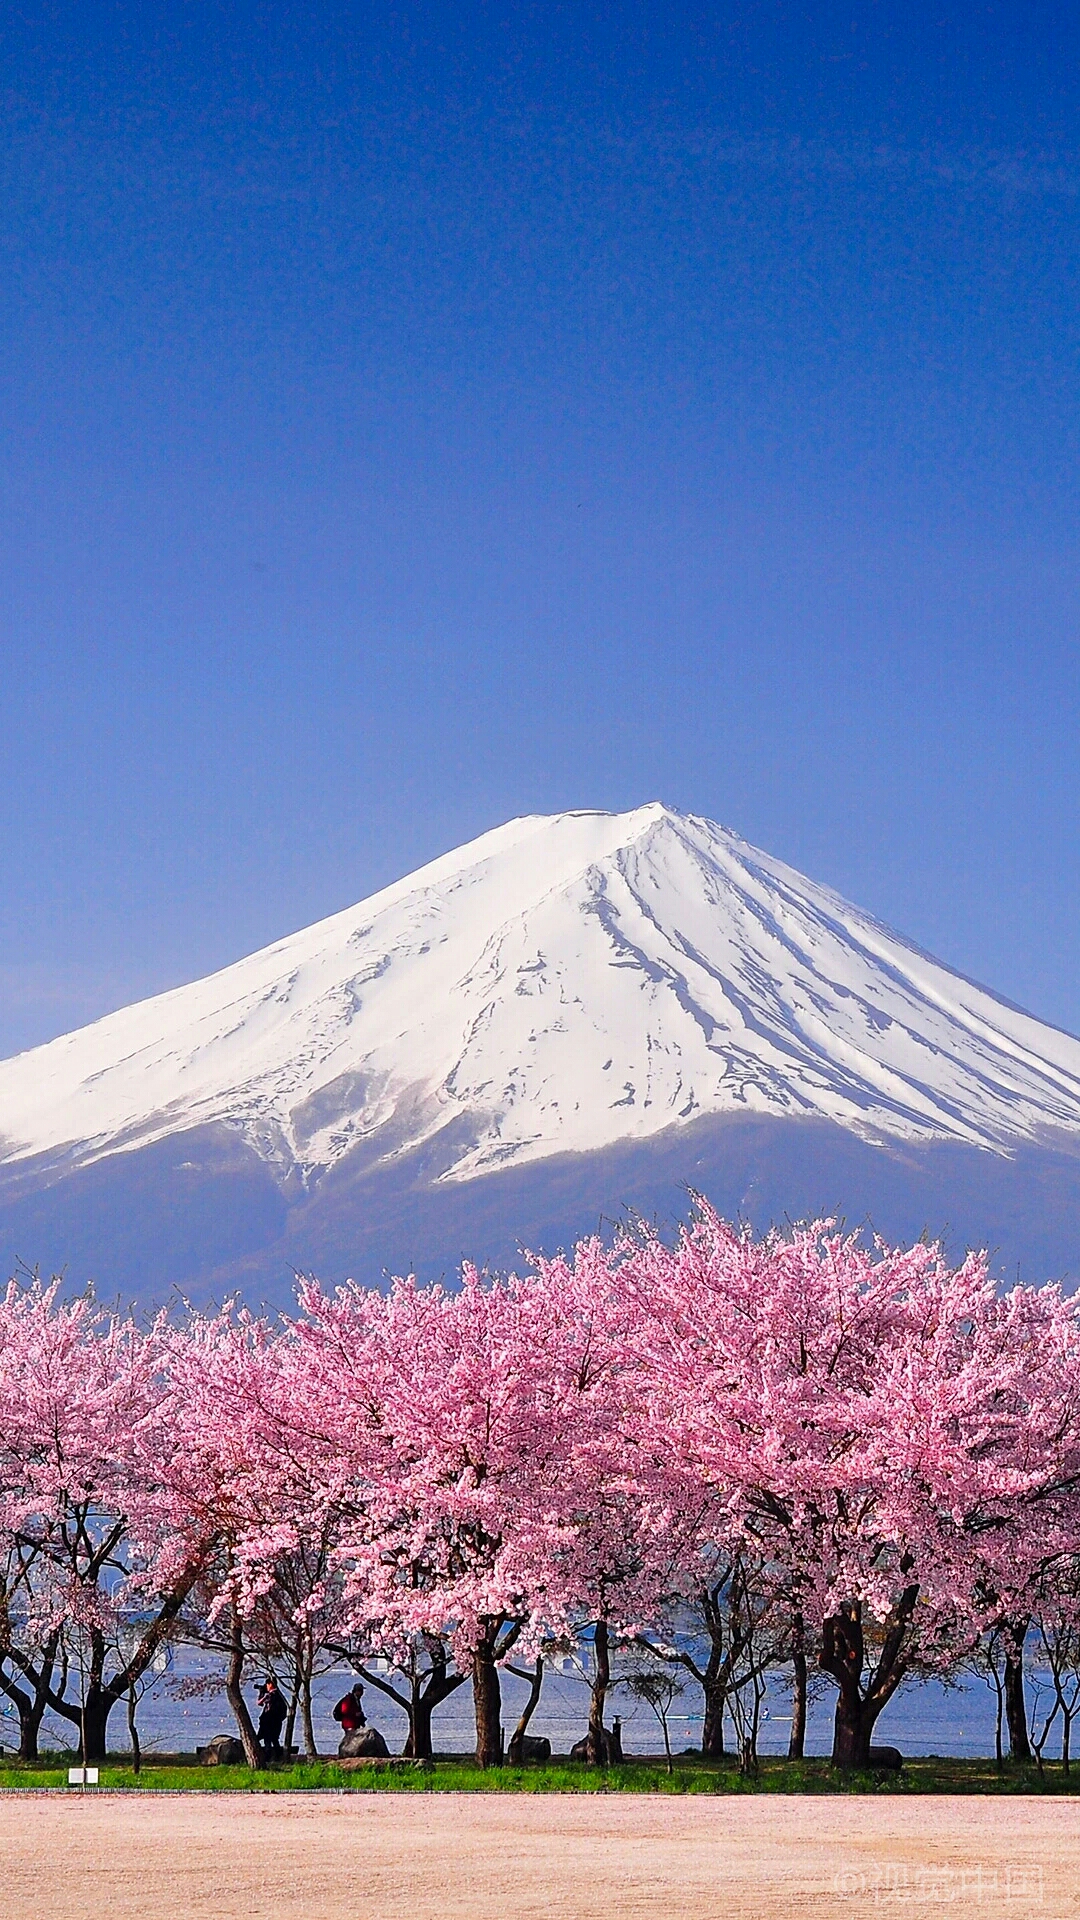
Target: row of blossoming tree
column 724, row 1455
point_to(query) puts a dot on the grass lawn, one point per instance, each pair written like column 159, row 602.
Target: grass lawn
column 692, row 1774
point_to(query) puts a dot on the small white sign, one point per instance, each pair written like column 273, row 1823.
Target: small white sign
column 82, row 1776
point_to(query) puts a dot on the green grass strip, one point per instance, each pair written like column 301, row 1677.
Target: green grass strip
column 692, row 1774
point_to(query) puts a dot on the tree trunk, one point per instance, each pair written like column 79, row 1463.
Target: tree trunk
column 842, row 1656
column 234, row 1695
column 303, row 1657
column 999, row 1711
column 437, row 1688
column 133, row 1731
column 712, row 1726
column 97, row 1707
column 853, row 1729
column 418, row 1745
column 289, row 1734
column 596, row 1750
column 30, row 1719
column 487, row 1701
column 311, row 1751
column 30, row 1728
column 1015, row 1704
column 536, row 1681
column 797, row 1742
column 31, row 1711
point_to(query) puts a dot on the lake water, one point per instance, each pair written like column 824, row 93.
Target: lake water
column 923, row 1718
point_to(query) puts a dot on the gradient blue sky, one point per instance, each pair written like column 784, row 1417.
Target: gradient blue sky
column 413, row 416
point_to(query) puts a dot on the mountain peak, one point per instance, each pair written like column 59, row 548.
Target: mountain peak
column 559, row 984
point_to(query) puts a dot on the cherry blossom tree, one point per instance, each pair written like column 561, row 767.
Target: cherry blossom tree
column 638, row 1517
column 98, row 1559
column 462, row 1416
column 246, row 1474
column 879, row 1424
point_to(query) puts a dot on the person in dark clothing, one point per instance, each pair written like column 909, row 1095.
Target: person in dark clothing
column 272, row 1711
column 350, row 1711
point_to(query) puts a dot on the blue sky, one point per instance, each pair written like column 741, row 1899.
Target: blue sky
column 413, row 416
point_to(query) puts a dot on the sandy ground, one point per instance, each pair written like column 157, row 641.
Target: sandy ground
column 549, row 1858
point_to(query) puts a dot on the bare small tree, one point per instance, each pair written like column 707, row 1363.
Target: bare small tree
column 726, row 1634
column 535, row 1678
column 659, row 1689
column 1058, row 1625
column 989, row 1661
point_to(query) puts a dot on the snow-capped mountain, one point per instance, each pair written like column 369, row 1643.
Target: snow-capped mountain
column 561, row 986
column 564, row 983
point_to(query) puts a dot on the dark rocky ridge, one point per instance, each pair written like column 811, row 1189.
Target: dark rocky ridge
column 203, row 1214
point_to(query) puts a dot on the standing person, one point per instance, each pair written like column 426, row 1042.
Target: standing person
column 272, row 1712
column 350, row 1710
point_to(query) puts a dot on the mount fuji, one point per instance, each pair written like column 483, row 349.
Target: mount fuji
column 569, row 1016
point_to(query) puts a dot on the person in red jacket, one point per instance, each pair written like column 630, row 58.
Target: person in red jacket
column 350, row 1710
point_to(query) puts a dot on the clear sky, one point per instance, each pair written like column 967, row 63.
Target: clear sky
column 418, row 415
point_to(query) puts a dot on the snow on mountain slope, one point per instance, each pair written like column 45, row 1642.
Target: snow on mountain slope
column 562, row 984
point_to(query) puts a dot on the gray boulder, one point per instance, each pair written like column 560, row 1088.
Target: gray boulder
column 224, row 1750
column 364, row 1743
column 890, row 1759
